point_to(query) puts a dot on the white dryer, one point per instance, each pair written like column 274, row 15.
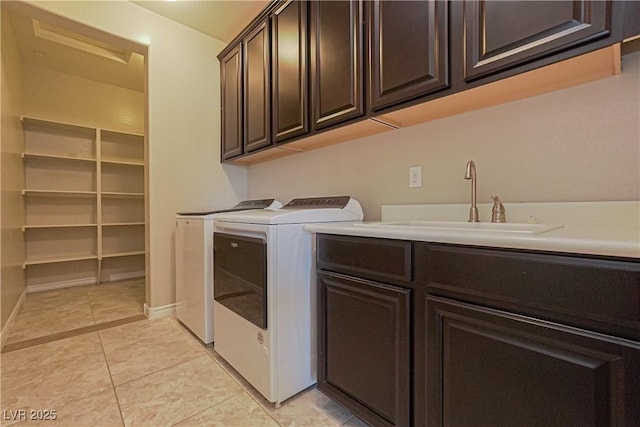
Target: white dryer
column 265, row 296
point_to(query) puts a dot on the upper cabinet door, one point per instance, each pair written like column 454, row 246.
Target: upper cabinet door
column 289, row 61
column 336, row 61
column 257, row 100
column 231, row 96
column 409, row 50
column 503, row 34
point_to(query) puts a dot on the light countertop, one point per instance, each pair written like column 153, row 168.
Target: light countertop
column 596, row 228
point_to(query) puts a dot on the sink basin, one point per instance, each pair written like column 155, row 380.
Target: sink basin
column 519, row 228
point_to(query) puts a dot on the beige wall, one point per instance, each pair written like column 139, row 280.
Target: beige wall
column 183, row 124
column 11, row 176
column 577, row 144
column 53, row 95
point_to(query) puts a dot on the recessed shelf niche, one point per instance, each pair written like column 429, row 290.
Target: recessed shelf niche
column 84, row 204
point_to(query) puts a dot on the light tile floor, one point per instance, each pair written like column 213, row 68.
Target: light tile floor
column 146, row 373
column 61, row 310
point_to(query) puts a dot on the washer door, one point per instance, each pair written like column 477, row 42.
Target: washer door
column 240, row 276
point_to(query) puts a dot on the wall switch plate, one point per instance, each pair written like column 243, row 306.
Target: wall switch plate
column 415, row 176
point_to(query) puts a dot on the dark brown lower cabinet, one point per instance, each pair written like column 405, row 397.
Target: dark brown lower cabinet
column 365, row 348
column 477, row 337
column 492, row 368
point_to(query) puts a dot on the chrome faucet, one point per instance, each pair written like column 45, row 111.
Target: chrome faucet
column 471, row 174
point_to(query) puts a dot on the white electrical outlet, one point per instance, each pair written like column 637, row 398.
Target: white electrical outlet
column 415, row 176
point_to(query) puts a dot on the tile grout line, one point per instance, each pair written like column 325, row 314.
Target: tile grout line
column 113, row 386
column 160, row 370
column 261, row 406
column 90, row 308
column 209, row 407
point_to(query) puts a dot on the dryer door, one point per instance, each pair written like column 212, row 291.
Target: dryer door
column 240, row 275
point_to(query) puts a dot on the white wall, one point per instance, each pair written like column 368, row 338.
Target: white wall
column 11, row 175
column 577, row 144
column 183, row 124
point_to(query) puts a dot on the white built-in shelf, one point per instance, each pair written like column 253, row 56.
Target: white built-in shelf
column 120, row 254
column 37, row 227
column 68, row 214
column 56, row 157
column 32, row 121
column 126, row 162
column 118, row 133
column 59, row 259
column 58, row 193
column 117, row 194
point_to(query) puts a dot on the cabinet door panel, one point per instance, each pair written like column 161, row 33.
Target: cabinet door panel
column 257, row 100
column 486, row 367
column 408, row 50
column 289, row 61
column 503, row 34
column 231, row 84
column 364, row 348
column 336, row 61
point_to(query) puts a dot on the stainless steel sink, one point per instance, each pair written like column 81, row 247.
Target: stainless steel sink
column 485, row 227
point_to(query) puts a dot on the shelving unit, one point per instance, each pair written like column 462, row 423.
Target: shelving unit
column 84, row 204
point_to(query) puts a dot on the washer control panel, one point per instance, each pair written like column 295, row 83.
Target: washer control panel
column 335, row 202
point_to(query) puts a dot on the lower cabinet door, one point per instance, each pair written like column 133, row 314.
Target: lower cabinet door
column 491, row 368
column 364, row 348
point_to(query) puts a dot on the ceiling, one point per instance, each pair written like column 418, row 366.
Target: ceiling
column 76, row 54
column 221, row 19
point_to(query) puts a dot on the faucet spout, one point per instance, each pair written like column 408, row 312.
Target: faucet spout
column 471, row 174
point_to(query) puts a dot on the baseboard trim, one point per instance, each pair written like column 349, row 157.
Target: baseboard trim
column 162, row 311
column 60, row 285
column 126, row 276
column 4, row 334
column 82, row 281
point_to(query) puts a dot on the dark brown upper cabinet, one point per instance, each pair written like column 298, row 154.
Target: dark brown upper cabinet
column 231, row 99
column 301, row 68
column 336, row 59
column 289, row 62
column 409, row 50
column 257, row 99
column 503, row 34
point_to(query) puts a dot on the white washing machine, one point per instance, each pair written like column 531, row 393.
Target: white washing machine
column 265, row 295
column 194, row 266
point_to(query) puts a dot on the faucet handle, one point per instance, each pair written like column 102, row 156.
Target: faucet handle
column 498, row 211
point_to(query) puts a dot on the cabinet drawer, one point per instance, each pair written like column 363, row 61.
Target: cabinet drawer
column 378, row 259
column 598, row 294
